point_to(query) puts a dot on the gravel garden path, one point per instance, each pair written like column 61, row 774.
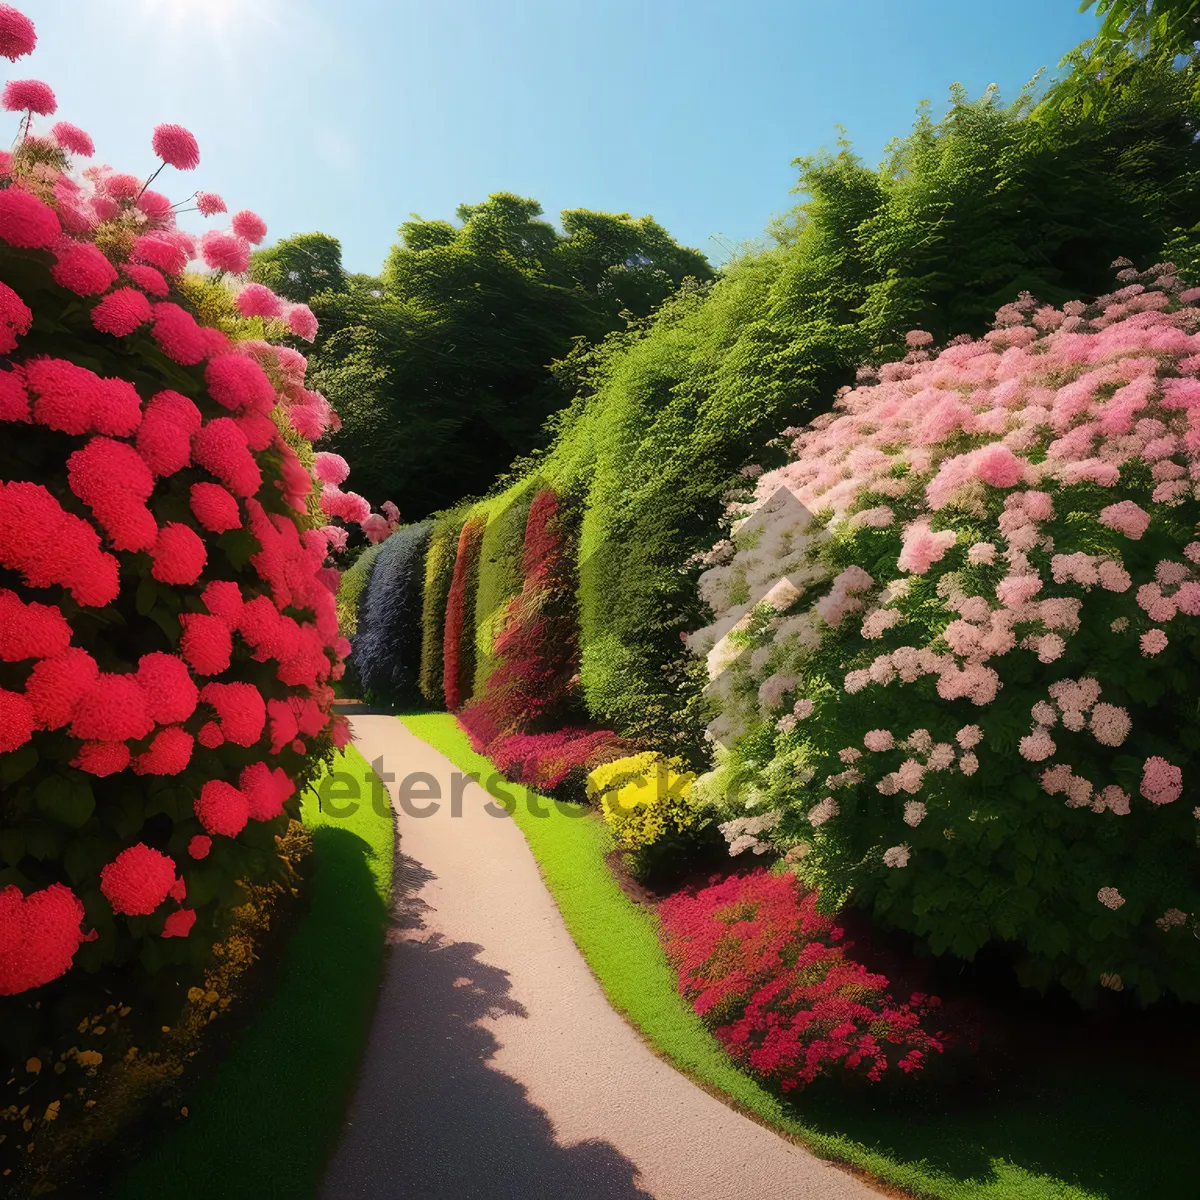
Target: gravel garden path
column 496, row 1067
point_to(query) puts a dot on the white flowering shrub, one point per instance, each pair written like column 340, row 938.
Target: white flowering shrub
column 955, row 644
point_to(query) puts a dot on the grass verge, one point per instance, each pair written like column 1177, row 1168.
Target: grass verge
column 1106, row 1134
column 265, row 1122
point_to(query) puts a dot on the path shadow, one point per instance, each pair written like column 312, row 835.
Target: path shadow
column 432, row 1119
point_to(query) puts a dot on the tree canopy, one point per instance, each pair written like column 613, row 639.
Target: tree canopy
column 299, row 267
column 441, row 366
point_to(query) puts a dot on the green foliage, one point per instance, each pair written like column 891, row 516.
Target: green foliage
column 300, row 267
column 439, row 369
column 1133, row 32
column 500, row 576
column 964, row 214
column 1170, row 26
column 439, row 570
column 351, row 586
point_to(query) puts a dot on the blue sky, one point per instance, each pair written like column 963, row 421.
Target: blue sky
column 347, row 115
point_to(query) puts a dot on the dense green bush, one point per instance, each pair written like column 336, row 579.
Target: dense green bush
column 499, row 571
column 387, row 650
column 439, row 570
column 351, row 587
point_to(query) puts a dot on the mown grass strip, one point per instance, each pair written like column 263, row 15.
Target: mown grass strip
column 267, row 1120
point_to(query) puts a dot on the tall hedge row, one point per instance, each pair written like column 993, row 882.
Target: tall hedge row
column 500, row 576
column 439, row 570
column 458, row 633
column 352, row 587
column 963, row 215
column 387, row 650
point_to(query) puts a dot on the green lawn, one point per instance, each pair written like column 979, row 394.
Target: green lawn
column 266, row 1121
column 1107, row 1133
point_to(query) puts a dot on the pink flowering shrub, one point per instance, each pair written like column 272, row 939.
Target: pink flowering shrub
column 168, row 632
column 955, row 642
column 774, row 979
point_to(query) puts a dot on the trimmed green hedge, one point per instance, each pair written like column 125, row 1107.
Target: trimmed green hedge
column 439, row 570
column 499, row 570
column 351, row 587
column 963, row 215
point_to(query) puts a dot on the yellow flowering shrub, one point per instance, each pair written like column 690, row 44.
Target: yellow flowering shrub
column 643, row 797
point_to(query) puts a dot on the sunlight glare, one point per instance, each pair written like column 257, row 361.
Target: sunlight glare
column 214, row 16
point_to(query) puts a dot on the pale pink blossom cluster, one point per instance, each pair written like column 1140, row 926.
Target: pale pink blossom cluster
column 773, row 689
column 1162, row 782
column 843, row 597
column 923, row 547
column 1173, row 918
column 965, row 468
column 826, row 810
column 1110, row 897
column 1072, row 700
column 742, row 833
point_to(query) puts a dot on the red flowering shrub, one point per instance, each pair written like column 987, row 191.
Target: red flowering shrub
column 774, row 980
column 545, row 760
column 458, row 638
column 524, row 717
column 154, row 491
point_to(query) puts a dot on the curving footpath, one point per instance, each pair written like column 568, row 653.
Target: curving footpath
column 496, row 1068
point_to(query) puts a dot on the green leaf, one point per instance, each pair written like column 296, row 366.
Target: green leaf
column 11, row 877
column 69, row 803
column 17, row 764
column 85, row 857
column 167, row 621
column 238, row 545
column 147, row 593
column 42, row 842
column 125, row 815
column 12, row 846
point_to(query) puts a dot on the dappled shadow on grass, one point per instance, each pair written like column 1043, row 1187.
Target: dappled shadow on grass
column 432, row 1118
column 265, row 1124
column 1114, row 1131
column 1102, row 1099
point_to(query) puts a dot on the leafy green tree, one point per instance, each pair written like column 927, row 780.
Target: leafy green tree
column 1162, row 31
column 1170, row 26
column 299, row 267
column 440, row 369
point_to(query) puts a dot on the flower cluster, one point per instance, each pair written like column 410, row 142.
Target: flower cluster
column 644, row 798
column 775, row 981
column 981, row 573
column 168, row 626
